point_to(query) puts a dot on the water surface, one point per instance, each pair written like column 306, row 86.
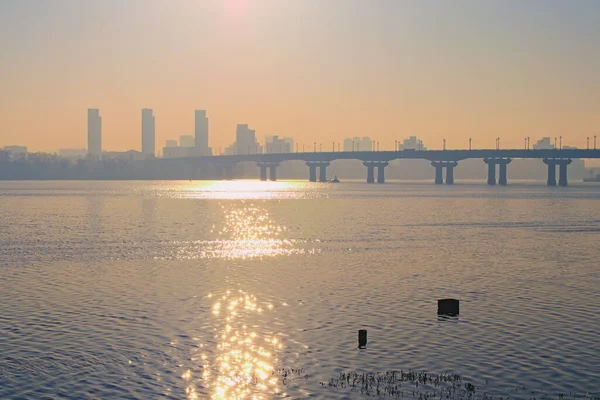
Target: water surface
column 202, row 289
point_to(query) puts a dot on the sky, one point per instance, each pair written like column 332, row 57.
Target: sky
column 315, row 70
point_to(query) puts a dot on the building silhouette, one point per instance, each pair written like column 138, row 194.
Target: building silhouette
column 358, row 144
column 412, row 143
column 94, row 132
column 201, row 133
column 72, row 154
column 148, row 132
column 16, row 152
column 276, row 145
column 187, row 141
column 245, row 140
column 544, row 143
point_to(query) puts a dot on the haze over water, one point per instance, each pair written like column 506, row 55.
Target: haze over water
column 200, row 289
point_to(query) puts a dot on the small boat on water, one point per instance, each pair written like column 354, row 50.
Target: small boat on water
column 335, row 180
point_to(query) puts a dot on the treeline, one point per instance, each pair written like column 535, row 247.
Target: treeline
column 50, row 167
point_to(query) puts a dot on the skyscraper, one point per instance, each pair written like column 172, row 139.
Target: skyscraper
column 94, row 132
column 201, row 132
column 245, row 140
column 148, row 132
column 187, row 141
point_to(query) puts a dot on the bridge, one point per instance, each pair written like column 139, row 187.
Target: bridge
column 377, row 160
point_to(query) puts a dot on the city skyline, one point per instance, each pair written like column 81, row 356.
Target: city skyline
column 200, row 141
column 344, row 69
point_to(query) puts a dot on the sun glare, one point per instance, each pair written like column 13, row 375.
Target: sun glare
column 250, row 189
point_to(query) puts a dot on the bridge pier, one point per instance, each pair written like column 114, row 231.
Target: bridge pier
column 491, row 171
column 263, row 172
column 562, row 170
column 371, row 165
column 439, row 173
column 439, row 169
column 492, row 162
column 323, row 173
column 381, row 173
column 224, row 172
column 502, row 178
column 370, row 174
column 450, row 174
column 312, row 173
column 312, row 170
column 271, row 166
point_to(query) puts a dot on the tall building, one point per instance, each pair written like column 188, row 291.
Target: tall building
column 148, row 132
column 94, row 132
column 245, row 140
column 544, row 143
column 412, row 143
column 358, row 144
column 277, row 145
column 187, row 141
column 201, row 133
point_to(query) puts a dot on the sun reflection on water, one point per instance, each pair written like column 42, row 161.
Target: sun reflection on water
column 250, row 232
column 244, row 359
column 242, row 189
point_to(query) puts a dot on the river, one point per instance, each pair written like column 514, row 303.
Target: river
column 246, row 289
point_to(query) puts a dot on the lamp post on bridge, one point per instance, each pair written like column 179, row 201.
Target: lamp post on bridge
column 395, row 145
column 525, row 143
column 528, row 143
column 377, row 146
column 588, row 143
column 444, row 144
column 555, row 143
column 470, row 144
column 560, row 145
column 497, row 143
column 594, row 142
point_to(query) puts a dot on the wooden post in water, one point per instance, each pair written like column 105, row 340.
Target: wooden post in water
column 362, row 338
column 448, row 307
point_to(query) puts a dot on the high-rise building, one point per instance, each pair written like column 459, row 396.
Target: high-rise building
column 412, row 143
column 358, row 144
column 245, row 140
column 544, row 143
column 201, row 133
column 277, row 145
column 186, row 141
column 94, row 132
column 148, row 132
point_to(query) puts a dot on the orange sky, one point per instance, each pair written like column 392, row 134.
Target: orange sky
column 316, row 71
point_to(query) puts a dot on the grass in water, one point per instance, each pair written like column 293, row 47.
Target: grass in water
column 426, row 386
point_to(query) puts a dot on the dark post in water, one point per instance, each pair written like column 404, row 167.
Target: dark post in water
column 448, row 307
column 362, row 338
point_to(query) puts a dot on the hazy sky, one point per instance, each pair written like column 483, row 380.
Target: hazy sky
column 317, row 70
